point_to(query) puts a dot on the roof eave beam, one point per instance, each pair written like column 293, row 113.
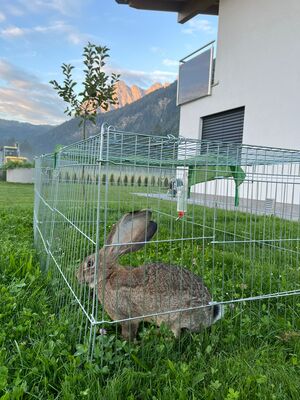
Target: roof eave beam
column 157, row 5
column 192, row 8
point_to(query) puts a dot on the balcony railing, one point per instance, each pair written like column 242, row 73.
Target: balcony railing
column 196, row 74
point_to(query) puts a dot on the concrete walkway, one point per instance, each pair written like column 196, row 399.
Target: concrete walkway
column 259, row 207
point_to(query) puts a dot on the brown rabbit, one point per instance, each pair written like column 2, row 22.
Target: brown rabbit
column 150, row 289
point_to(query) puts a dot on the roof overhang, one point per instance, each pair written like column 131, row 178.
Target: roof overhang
column 186, row 9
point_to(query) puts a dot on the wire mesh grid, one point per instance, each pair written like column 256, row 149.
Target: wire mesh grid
column 121, row 217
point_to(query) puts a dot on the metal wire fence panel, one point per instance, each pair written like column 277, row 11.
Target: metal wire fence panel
column 141, row 231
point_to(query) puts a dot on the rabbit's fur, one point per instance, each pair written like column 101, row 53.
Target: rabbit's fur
column 152, row 288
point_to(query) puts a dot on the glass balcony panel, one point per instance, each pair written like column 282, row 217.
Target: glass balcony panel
column 195, row 77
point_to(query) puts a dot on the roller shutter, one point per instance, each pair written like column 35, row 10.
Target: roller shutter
column 224, row 127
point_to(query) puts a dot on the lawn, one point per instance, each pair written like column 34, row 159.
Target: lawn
column 249, row 355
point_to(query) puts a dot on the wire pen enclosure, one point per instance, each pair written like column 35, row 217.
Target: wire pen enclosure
column 148, row 237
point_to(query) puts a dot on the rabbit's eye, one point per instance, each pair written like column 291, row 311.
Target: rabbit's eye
column 90, row 264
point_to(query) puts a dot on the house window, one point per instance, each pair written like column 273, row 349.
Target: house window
column 226, row 126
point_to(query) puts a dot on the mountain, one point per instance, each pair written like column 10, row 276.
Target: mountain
column 154, row 113
column 129, row 94
column 23, row 133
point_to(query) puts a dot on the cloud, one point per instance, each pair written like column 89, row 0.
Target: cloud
column 64, row 7
column 2, row 17
column 199, row 25
column 143, row 79
column 24, row 98
column 13, row 32
column 57, row 27
column 170, row 63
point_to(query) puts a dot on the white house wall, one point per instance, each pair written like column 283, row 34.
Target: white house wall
column 276, row 184
column 20, row 175
column 257, row 66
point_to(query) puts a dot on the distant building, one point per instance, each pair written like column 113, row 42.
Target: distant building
column 248, row 91
column 11, row 153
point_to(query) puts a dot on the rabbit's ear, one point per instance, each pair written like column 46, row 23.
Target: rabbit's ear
column 133, row 229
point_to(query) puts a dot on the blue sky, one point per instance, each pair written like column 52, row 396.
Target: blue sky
column 37, row 36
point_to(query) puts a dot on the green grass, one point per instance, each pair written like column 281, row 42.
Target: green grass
column 16, row 195
column 254, row 353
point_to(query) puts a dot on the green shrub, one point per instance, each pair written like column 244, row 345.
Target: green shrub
column 15, row 164
column 67, row 177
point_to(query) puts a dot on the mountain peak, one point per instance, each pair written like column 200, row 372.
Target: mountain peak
column 129, row 94
column 156, row 86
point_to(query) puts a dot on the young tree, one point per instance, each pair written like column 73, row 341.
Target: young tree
column 112, row 179
column 98, row 88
